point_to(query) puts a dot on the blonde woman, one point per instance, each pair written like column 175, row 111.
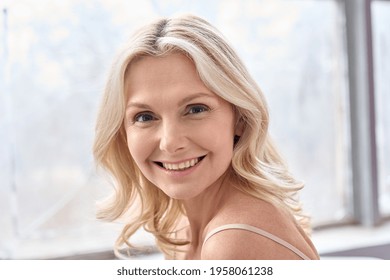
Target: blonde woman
column 183, row 129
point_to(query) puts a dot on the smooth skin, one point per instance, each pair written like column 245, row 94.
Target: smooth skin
column 180, row 134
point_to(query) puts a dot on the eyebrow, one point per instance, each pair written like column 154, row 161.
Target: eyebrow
column 195, row 96
column 180, row 103
column 137, row 105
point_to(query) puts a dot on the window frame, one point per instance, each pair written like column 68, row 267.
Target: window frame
column 362, row 112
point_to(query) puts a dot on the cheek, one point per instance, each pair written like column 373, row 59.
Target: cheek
column 218, row 137
column 138, row 146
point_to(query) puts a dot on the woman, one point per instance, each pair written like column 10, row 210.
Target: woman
column 183, row 129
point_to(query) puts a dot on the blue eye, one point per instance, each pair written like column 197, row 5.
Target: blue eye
column 197, row 109
column 144, row 117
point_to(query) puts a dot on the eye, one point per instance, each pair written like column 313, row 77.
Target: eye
column 144, row 117
column 197, row 109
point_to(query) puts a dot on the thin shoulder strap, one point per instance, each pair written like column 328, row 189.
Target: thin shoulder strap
column 260, row 232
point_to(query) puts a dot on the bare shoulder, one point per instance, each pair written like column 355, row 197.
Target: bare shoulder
column 244, row 209
column 278, row 225
column 236, row 244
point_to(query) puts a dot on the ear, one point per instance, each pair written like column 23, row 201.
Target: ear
column 239, row 128
column 238, row 131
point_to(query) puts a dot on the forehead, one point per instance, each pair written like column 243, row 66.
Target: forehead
column 174, row 72
column 150, row 68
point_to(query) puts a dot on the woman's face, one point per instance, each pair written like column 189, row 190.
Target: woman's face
column 179, row 133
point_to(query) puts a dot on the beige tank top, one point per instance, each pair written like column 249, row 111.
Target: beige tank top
column 260, row 232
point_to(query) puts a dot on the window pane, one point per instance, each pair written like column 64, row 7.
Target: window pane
column 381, row 42
column 53, row 66
column 295, row 49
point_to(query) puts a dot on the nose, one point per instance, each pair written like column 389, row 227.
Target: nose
column 173, row 138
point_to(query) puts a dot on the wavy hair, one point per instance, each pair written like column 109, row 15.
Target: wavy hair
column 256, row 167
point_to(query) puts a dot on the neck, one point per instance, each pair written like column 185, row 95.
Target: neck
column 203, row 208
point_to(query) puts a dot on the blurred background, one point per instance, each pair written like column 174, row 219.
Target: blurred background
column 324, row 66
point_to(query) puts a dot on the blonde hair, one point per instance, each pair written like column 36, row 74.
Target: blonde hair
column 257, row 168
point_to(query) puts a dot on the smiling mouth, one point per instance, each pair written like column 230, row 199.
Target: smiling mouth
column 180, row 166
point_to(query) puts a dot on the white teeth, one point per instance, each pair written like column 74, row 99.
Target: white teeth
column 180, row 166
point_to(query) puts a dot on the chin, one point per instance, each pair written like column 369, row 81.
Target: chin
column 180, row 195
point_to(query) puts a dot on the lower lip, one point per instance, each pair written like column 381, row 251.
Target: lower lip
column 181, row 173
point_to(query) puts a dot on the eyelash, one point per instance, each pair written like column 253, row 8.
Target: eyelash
column 143, row 114
column 200, row 109
column 204, row 108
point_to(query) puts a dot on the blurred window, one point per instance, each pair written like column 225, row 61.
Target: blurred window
column 381, row 42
